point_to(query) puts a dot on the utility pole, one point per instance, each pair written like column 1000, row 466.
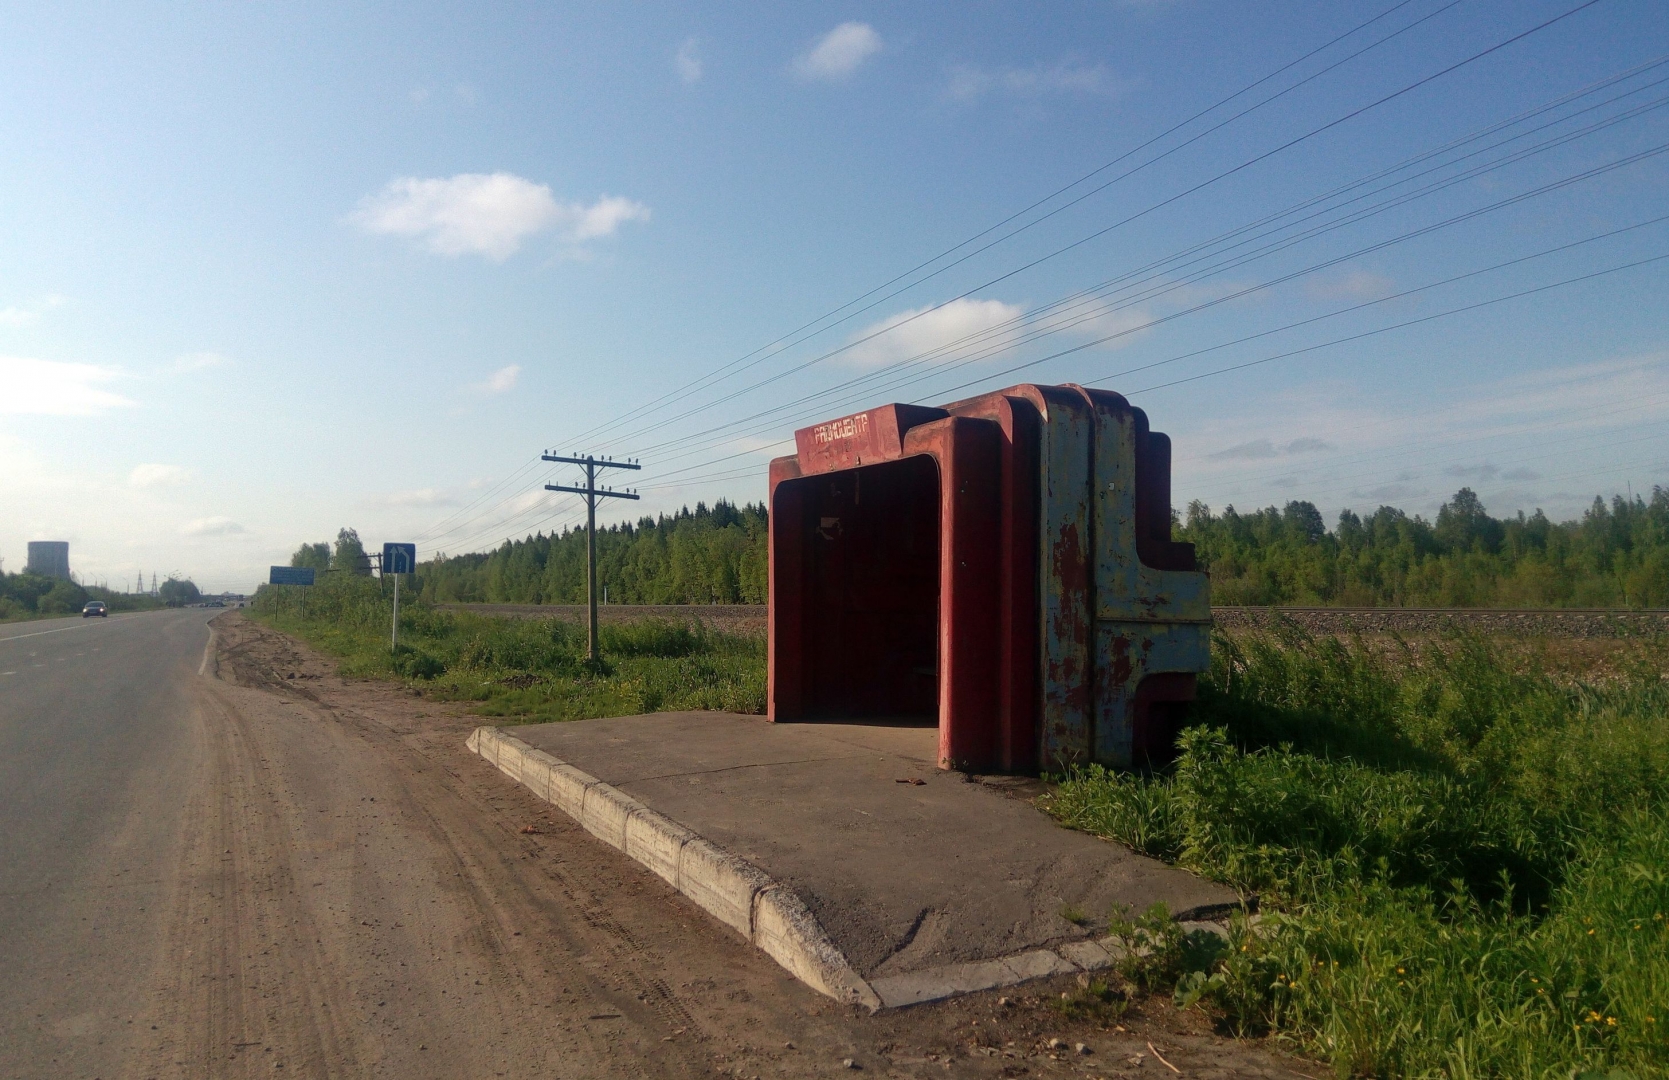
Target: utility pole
column 592, row 492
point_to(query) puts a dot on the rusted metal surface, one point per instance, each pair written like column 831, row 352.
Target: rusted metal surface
column 1148, row 619
column 1067, row 622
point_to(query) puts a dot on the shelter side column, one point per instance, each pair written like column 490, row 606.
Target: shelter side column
column 785, row 635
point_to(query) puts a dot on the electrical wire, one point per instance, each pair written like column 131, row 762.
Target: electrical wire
column 1423, row 230
column 704, row 381
column 1151, row 208
column 1171, row 285
column 1197, row 187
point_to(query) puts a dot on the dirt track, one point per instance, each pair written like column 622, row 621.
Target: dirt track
column 358, row 896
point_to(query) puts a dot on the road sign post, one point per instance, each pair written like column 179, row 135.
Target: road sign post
column 398, row 559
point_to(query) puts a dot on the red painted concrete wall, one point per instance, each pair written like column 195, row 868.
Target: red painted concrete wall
column 1003, row 564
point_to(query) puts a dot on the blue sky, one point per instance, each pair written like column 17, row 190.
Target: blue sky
column 267, row 271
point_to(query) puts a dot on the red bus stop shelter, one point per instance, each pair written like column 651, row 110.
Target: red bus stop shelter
column 1002, row 565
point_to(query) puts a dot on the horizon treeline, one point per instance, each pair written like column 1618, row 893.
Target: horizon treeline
column 1615, row 555
column 25, row 595
column 709, row 555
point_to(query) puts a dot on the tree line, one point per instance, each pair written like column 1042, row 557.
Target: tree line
column 26, row 595
column 709, row 555
column 1615, row 555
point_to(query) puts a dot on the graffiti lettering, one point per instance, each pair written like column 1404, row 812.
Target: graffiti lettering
column 845, row 428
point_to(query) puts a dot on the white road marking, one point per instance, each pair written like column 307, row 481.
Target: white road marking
column 208, row 653
column 43, row 633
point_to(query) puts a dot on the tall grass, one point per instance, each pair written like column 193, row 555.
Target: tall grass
column 1463, row 858
column 527, row 669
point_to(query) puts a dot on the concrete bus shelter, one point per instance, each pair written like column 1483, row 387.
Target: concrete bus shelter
column 1001, row 566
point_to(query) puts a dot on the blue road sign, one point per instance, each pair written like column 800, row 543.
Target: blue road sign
column 399, row 558
column 291, row 575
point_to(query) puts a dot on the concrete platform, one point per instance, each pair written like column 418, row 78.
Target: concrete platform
column 937, row 885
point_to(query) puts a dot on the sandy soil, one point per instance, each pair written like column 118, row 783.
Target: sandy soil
column 361, row 896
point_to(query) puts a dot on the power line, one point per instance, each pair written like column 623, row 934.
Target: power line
column 1277, row 149
column 704, row 381
column 1248, row 163
column 1379, row 245
column 894, row 372
column 1362, row 335
column 1399, row 326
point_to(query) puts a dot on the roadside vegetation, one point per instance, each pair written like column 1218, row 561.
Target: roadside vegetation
column 31, row 596
column 1615, row 555
column 526, row 670
column 1461, row 854
column 711, row 555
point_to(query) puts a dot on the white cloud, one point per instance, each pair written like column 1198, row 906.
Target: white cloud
column 212, row 526
column 911, row 333
column 419, row 497
column 1251, row 451
column 1123, row 326
column 487, row 214
column 502, row 379
column 1259, row 449
column 28, row 316
column 55, row 388
column 604, row 216
column 199, row 361
column 152, row 475
column 1386, row 494
column 1351, row 285
column 970, row 83
column 688, row 61
column 838, row 53
column 1528, row 401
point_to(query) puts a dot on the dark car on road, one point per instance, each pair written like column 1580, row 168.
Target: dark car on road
column 95, row 607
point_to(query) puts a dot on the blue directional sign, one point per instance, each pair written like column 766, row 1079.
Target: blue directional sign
column 399, row 558
column 291, row 575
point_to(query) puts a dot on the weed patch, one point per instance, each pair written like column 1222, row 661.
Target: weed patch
column 1462, row 856
column 524, row 670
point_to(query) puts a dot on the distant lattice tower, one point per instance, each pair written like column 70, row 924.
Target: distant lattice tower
column 49, row 558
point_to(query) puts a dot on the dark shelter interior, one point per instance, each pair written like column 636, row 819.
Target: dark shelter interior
column 872, row 608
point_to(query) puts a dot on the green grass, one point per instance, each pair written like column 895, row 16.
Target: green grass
column 525, row 670
column 1462, row 857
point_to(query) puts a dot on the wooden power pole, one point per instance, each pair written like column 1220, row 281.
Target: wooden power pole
column 592, row 493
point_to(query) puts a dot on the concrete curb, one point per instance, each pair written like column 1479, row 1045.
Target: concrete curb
column 732, row 890
column 747, row 900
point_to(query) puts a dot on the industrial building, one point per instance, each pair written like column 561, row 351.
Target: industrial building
column 49, row 558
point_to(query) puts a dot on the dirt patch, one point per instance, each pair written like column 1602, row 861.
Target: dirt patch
column 366, row 898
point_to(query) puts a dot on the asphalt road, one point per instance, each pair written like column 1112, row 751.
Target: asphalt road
column 95, row 735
